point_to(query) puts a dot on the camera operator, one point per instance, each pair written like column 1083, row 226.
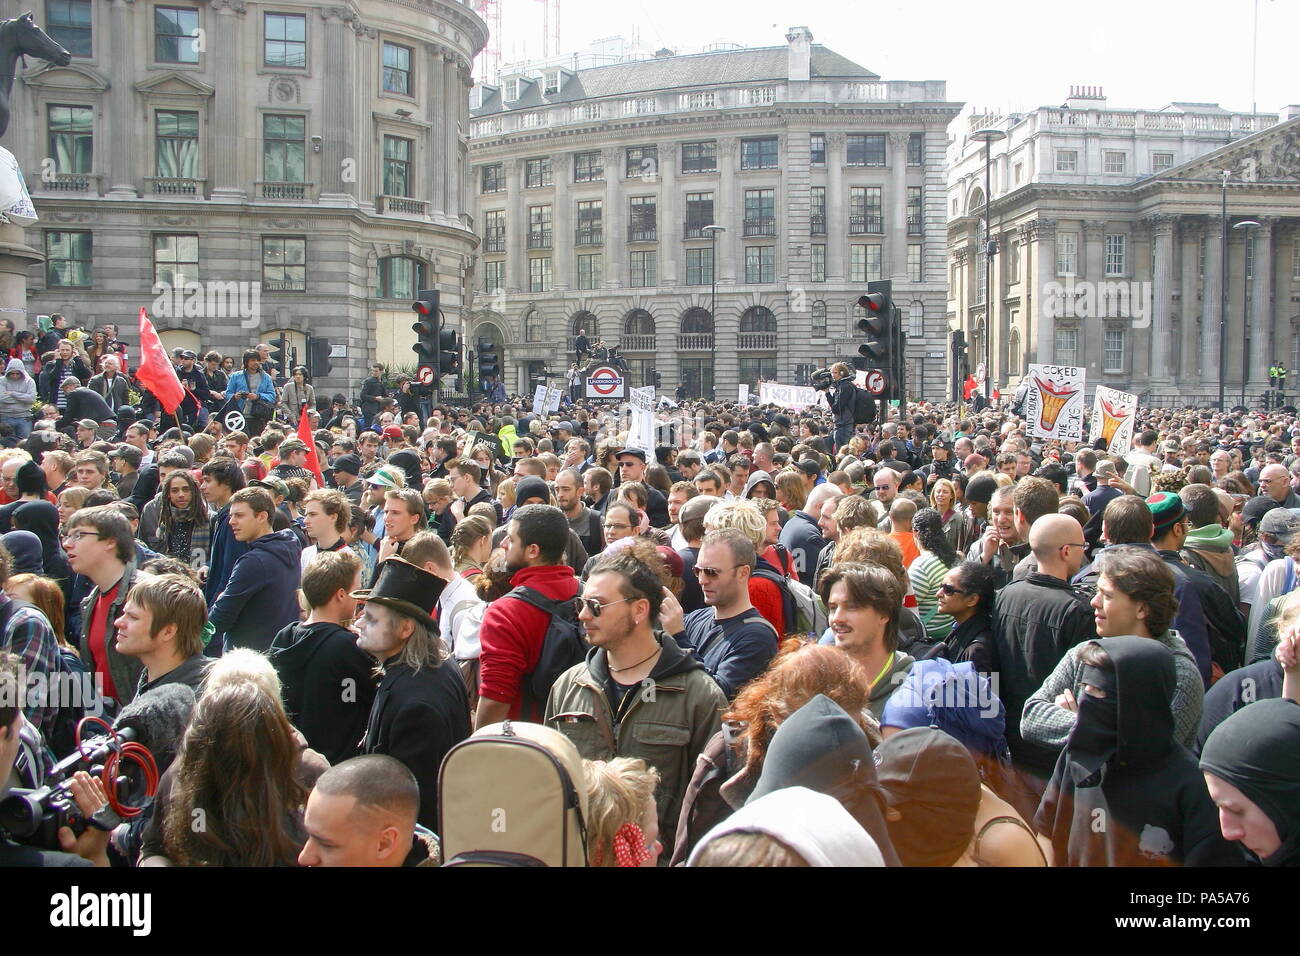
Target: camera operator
column 941, row 464
column 89, row 849
column 840, row 397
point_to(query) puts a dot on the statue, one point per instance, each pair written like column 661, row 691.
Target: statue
column 22, row 37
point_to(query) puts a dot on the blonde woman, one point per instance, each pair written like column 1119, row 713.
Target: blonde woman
column 622, row 819
column 71, row 500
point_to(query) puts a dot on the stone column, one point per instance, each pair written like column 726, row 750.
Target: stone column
column 337, row 115
column 1094, row 269
column 615, row 235
column 836, row 204
column 1162, row 238
column 895, row 265
column 437, row 102
column 121, row 105
column 730, row 264
column 229, row 131
column 563, row 275
column 368, row 148
column 1042, row 267
column 1261, row 306
column 669, row 222
column 1210, row 304
column 1189, row 311
column 516, row 228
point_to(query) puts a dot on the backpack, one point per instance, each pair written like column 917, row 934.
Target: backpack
column 864, row 406
column 513, row 794
column 763, row 569
column 809, row 612
column 562, row 647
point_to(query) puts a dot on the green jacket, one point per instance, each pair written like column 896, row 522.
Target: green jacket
column 666, row 724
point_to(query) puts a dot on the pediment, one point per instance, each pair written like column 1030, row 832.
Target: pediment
column 1269, row 156
column 174, row 84
column 73, row 77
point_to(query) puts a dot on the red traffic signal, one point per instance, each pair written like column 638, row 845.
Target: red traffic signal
column 426, row 303
column 873, row 302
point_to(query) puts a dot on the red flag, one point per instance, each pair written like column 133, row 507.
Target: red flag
column 309, row 439
column 156, row 371
column 997, row 396
column 968, row 388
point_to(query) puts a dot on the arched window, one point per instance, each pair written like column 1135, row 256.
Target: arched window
column 916, row 319
column 639, row 322
column 1013, row 352
column 532, row 326
column 975, row 203
column 400, row 277
column 758, row 319
column 585, row 322
column 697, row 321
column 819, row 319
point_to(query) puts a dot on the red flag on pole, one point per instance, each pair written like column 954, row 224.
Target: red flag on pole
column 312, row 463
column 968, row 388
column 156, row 371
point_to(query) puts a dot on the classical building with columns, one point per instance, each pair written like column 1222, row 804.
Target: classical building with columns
column 311, row 152
column 594, row 187
column 1108, row 226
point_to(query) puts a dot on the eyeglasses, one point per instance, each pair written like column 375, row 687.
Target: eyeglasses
column 76, row 536
column 950, row 590
column 1073, row 545
column 594, row 606
column 617, row 527
column 713, row 572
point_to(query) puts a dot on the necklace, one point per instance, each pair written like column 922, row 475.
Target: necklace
column 619, row 670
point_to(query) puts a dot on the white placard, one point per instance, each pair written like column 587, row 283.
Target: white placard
column 546, row 400
column 1113, row 415
column 1054, row 405
column 641, row 428
column 793, row 397
column 743, row 396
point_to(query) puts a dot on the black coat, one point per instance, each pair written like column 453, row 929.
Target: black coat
column 417, row 717
column 842, row 401
column 84, row 403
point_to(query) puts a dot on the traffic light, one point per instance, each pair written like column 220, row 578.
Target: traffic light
column 488, row 366
column 877, row 326
column 426, row 330
column 448, row 353
column 657, row 378
column 318, row 356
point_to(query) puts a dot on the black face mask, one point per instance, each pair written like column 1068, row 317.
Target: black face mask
column 1095, row 739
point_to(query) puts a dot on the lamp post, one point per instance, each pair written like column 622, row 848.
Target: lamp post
column 713, row 231
column 989, row 135
column 1223, row 284
column 1246, row 225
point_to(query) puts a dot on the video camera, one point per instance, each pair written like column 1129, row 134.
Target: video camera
column 821, row 379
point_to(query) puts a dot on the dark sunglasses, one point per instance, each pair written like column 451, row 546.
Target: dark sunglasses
column 712, row 572
column 592, row 605
column 949, row 589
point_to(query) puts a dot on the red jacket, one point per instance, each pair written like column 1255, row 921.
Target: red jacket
column 511, row 636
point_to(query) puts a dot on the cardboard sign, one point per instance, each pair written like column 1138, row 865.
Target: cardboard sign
column 1054, row 405
column 1113, row 415
column 794, row 397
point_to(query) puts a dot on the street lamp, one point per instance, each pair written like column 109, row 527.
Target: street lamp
column 1246, row 225
column 989, row 135
column 713, row 231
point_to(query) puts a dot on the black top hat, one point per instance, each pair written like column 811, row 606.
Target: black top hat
column 407, row 589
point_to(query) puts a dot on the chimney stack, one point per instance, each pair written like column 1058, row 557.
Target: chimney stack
column 799, row 62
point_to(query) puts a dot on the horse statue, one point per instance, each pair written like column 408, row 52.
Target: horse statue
column 21, row 37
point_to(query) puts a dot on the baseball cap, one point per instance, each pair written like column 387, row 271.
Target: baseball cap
column 1254, row 510
column 349, row 464
column 809, row 468
column 272, row 483
column 128, row 453
column 384, row 477
column 1106, row 470
column 1282, row 523
column 292, row 445
column 392, row 431
column 88, row 423
column 980, row 489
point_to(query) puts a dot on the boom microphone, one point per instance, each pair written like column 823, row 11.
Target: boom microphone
column 158, row 718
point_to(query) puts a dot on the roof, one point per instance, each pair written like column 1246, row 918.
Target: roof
column 728, row 67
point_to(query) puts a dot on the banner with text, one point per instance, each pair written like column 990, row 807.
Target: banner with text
column 1113, row 414
column 546, row 399
column 794, row 397
column 641, row 429
column 1054, row 405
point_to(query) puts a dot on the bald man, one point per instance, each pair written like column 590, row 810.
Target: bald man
column 1037, row 621
column 362, row 813
column 1275, row 482
column 884, row 490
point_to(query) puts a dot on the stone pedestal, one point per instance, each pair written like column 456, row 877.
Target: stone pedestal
column 16, row 257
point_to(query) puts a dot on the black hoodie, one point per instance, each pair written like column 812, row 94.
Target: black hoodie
column 1132, row 796
column 822, row 748
column 329, row 685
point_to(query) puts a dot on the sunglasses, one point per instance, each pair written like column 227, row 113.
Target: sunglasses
column 950, row 590
column 594, row 606
column 712, row 573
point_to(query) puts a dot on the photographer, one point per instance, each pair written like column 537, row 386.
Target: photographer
column 941, row 464
column 840, row 396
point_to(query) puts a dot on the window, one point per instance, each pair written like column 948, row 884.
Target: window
column 699, row 213
column 916, row 320
column 642, row 221
column 914, row 262
column 174, row 32
column 72, row 139
column 400, row 277
column 1019, row 173
column 866, row 149
column 67, row 259
column 494, row 276
column 756, row 368
column 1161, row 161
column 397, row 166
column 865, row 210
column 284, row 264
column 493, row 179
column 697, row 322
column 539, row 227
column 641, row 322
column 699, row 101
column 819, row 319
column 1114, row 161
column 589, row 223
column 533, row 326
column 914, row 211
column 537, row 172
column 397, row 69
column 817, row 223
column 1112, row 352
column 817, row 149
column 552, row 82
column 1067, row 160
column 700, row 157
column 511, row 92
column 981, row 277
column 539, row 274
column 1067, row 253
column 864, row 263
column 818, row 262
column 68, row 23
column 175, row 260
column 641, row 161
column 760, row 264
column 1013, row 345
column 643, row 269
column 284, row 148
column 494, row 230
column 591, row 272
column 1067, row 346
column 1116, row 255
column 588, row 167
column 915, row 149
column 760, row 215
column 286, row 40
column 177, row 144
column 699, row 266
column 758, row 153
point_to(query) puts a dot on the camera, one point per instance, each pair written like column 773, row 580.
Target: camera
column 821, row 379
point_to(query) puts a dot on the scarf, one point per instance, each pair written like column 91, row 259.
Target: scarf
column 1213, row 537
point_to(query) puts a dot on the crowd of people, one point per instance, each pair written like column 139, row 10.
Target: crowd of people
column 766, row 639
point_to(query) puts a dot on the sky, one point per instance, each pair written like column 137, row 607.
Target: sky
column 1009, row 55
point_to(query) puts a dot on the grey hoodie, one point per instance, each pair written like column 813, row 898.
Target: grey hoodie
column 17, row 395
column 754, row 478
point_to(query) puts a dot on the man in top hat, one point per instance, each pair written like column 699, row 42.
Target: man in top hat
column 421, row 709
